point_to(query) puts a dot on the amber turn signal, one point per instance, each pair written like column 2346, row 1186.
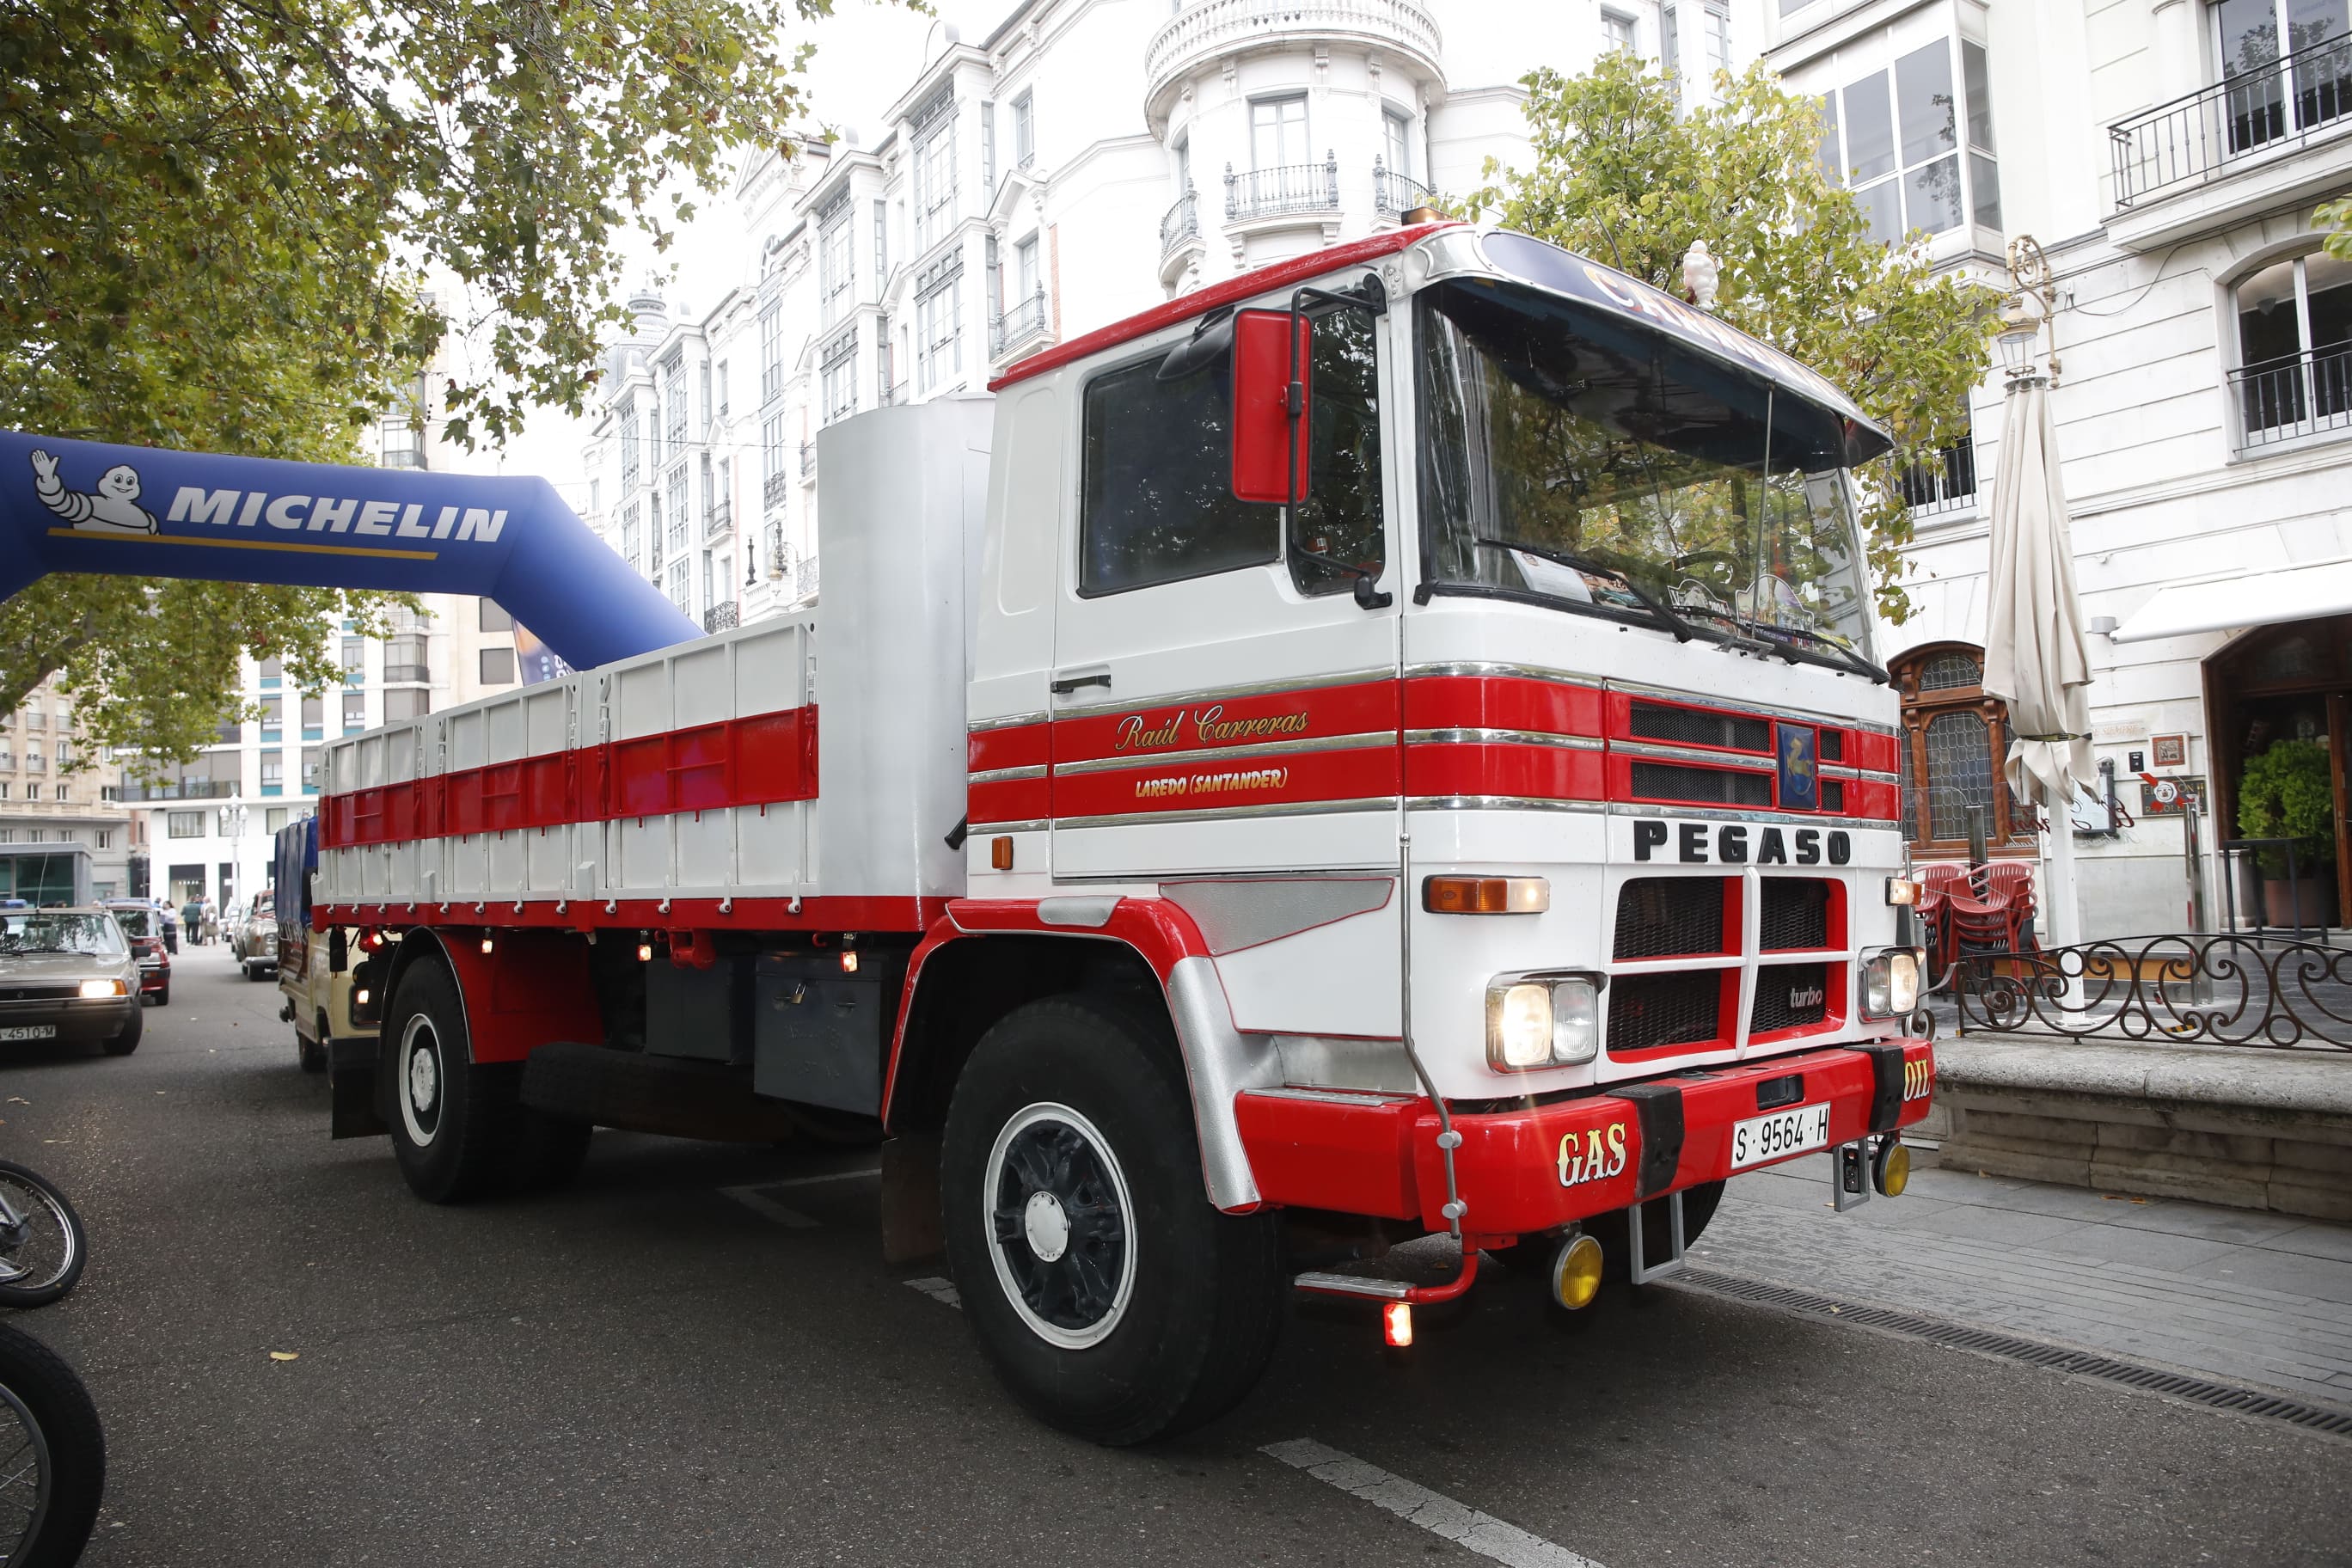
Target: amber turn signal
column 999, row 854
column 1486, row 895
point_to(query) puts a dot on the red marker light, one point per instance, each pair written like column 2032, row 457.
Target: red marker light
column 849, row 963
column 1396, row 1324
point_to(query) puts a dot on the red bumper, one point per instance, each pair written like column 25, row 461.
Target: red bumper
column 1533, row 1168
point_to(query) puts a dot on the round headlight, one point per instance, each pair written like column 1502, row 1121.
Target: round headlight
column 1902, row 982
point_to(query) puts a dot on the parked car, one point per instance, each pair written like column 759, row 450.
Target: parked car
column 68, row 975
column 256, row 944
column 141, row 922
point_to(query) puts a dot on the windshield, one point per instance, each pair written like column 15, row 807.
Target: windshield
column 136, row 922
column 1585, row 463
column 93, row 936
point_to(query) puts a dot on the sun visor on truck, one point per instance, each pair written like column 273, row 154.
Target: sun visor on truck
column 1629, row 317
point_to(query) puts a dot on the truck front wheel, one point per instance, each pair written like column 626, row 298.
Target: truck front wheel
column 1113, row 1300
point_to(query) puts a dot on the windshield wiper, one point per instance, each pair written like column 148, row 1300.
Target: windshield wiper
column 1683, row 631
column 1853, row 660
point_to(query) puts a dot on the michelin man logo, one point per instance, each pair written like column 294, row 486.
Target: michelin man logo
column 113, row 508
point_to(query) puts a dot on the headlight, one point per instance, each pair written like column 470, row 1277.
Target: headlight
column 1890, row 983
column 101, row 990
column 1539, row 1021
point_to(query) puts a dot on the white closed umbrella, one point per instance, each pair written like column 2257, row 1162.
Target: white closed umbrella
column 2035, row 658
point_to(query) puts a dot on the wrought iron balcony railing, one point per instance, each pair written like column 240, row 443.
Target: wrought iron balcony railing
column 1943, row 480
column 721, row 616
column 1286, row 188
column 1208, row 30
column 179, row 789
column 1179, row 223
column 2279, row 104
column 1393, row 193
column 719, row 520
column 2297, row 395
column 772, row 489
column 1022, row 320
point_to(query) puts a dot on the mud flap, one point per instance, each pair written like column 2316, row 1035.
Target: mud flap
column 350, row 1088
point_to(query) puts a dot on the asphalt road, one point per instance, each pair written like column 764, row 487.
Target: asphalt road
column 643, row 1369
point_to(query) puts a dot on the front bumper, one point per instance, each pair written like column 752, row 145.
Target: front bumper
column 74, row 1019
column 1535, row 1167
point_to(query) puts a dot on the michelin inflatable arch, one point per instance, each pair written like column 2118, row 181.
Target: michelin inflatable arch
column 81, row 506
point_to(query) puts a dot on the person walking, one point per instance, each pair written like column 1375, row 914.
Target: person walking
column 192, row 922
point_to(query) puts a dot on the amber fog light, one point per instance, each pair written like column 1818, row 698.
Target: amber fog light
column 1486, row 895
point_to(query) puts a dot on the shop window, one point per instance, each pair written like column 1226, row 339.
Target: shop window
column 1953, row 741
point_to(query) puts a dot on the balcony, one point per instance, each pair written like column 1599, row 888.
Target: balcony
column 808, row 462
column 1394, row 194
column 1023, row 322
column 1943, row 482
column 1210, row 30
column 1180, row 224
column 1286, row 188
column 722, row 616
column 179, row 789
column 407, row 674
column 2301, row 395
column 719, row 521
column 2247, row 129
column 773, row 489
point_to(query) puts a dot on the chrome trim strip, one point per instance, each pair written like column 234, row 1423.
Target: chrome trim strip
column 1494, row 667
column 1356, row 1096
column 1860, row 775
column 1352, row 740
column 1218, row 1063
column 975, row 829
column 1211, row 813
column 1740, row 760
column 1765, row 818
column 1743, row 705
column 1007, row 722
column 1505, row 738
column 1223, row 693
column 1000, row 775
column 1496, row 802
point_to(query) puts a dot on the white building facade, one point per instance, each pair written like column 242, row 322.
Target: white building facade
column 2168, row 155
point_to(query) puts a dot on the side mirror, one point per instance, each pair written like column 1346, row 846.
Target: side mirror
column 1271, row 425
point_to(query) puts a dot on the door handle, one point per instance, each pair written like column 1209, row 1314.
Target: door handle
column 1070, row 683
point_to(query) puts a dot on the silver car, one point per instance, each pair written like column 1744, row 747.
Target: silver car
column 255, row 942
column 68, row 974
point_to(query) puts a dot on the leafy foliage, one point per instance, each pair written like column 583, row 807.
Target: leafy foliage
column 1618, row 174
column 213, row 217
column 2287, row 793
column 2336, row 218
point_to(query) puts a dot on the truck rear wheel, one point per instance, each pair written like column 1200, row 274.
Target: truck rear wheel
column 311, row 1052
column 455, row 1122
column 1112, row 1300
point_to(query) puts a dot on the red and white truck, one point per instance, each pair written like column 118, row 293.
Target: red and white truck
column 1386, row 745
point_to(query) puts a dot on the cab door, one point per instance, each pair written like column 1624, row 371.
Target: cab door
column 1220, row 700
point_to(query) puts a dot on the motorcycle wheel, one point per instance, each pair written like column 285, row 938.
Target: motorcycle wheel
column 43, row 1257
column 52, row 1456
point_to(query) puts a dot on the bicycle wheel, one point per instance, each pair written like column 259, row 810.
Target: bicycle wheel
column 52, row 1456
column 42, row 1252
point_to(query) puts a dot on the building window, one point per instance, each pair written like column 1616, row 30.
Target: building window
column 1278, row 131
column 273, row 717
column 273, row 821
column 1954, row 738
column 771, row 351
column 2294, row 350
column 987, row 151
column 679, row 517
column 399, row 707
column 498, row 666
column 938, row 323
column 1024, row 130
column 838, row 377
column 354, row 712
column 1616, row 31
column 61, row 794
column 836, row 261
column 1942, row 480
column 628, row 446
column 495, row 619
column 679, row 586
column 184, row 823
column 718, row 408
column 271, row 672
column 1396, row 142
column 1716, row 41
column 881, row 247
column 2267, row 102
column 631, row 546
column 105, row 838
column 273, row 772
column 1893, row 138
column 314, row 717
column 314, row 767
column 772, row 460
column 935, row 180
column 674, row 422
column 1029, row 283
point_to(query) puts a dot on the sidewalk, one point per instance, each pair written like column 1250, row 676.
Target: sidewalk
column 2234, row 1296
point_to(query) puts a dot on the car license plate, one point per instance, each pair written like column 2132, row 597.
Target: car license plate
column 29, row 1032
column 1784, row 1132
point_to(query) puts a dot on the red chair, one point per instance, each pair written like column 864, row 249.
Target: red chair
column 1979, row 925
column 2013, row 879
column 1933, row 925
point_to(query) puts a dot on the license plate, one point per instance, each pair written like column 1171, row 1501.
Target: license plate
column 29, row 1032
column 1784, row 1132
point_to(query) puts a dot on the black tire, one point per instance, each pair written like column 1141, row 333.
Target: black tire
column 1533, row 1256
column 126, row 1039
column 164, row 996
column 311, row 1053
column 44, row 1400
column 455, row 1123
column 48, row 1251
column 1097, row 1098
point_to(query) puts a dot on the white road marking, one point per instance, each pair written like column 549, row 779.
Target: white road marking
column 1416, row 1504
column 939, row 1290
column 767, row 1208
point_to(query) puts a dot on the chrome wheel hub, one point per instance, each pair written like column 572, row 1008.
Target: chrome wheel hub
column 421, row 1073
column 1061, row 1225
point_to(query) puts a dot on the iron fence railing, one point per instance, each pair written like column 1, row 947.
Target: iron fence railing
column 2296, row 394
column 2200, row 137
column 1285, row 188
column 772, row 489
column 1180, row 223
column 2201, row 990
column 721, row 616
column 1395, row 193
column 1942, row 480
column 1022, row 320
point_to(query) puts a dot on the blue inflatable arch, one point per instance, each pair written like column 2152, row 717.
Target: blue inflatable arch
column 143, row 512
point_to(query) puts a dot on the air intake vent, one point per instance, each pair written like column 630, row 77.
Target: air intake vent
column 1832, row 794
column 1833, row 745
column 1651, row 1010
column 1790, row 996
column 1670, row 917
column 1795, row 914
column 1691, row 727
column 1701, row 786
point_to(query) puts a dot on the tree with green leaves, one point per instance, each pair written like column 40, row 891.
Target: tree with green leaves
column 2336, row 218
column 1620, row 175
column 213, row 217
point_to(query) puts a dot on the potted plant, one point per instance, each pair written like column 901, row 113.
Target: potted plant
column 2287, row 793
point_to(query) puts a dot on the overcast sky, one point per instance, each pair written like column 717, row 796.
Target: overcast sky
column 867, row 55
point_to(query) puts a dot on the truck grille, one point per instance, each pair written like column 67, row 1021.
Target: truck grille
column 1650, row 1010
column 1790, row 996
column 1669, row 917
column 1832, row 745
column 1695, row 726
column 35, row 993
column 1702, row 786
column 1795, row 914
column 1833, row 796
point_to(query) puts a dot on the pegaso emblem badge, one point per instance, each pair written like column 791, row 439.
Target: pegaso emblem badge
column 1801, row 787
